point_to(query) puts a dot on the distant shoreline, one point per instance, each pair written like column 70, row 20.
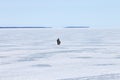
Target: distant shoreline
column 45, row 27
column 77, row 27
column 23, row 27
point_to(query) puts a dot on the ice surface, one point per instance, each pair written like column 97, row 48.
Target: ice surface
column 84, row 54
column 100, row 77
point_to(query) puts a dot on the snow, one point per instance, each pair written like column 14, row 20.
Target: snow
column 85, row 54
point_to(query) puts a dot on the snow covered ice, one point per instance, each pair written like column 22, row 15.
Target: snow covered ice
column 84, row 54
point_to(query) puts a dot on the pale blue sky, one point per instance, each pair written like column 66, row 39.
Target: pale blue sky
column 60, row 13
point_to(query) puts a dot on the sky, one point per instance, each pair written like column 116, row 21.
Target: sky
column 60, row 13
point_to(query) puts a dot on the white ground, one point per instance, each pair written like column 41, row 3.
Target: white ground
column 85, row 54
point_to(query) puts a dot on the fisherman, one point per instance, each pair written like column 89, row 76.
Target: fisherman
column 58, row 41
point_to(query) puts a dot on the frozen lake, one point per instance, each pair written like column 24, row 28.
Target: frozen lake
column 85, row 54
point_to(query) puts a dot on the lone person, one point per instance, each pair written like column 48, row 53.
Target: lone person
column 58, row 41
